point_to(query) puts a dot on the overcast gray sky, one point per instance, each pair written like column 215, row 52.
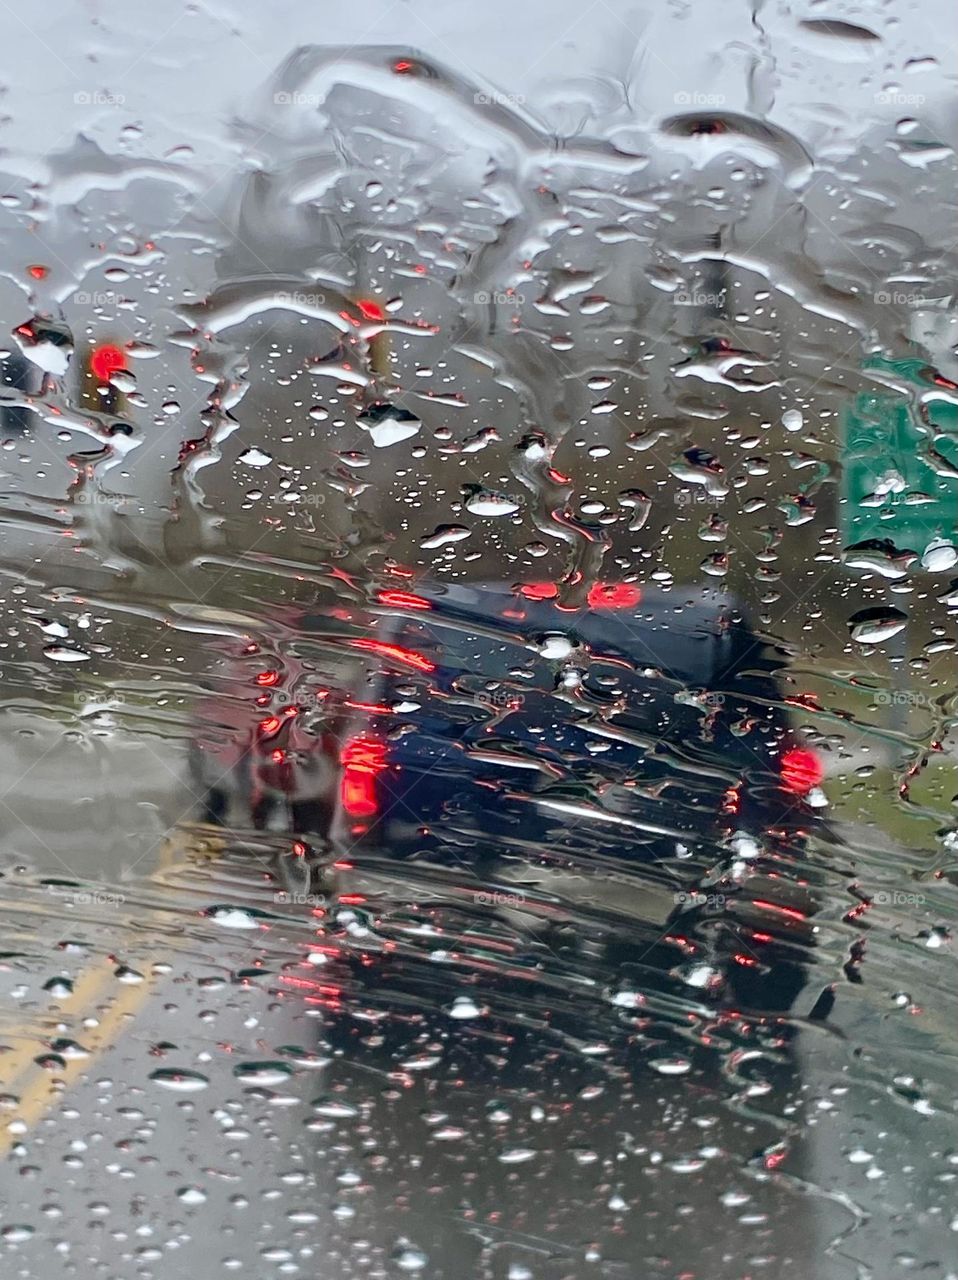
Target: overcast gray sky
column 182, row 70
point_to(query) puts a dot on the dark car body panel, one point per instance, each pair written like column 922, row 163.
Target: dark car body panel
column 657, row 724
column 544, row 755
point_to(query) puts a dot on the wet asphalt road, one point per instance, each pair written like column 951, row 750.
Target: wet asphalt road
column 213, row 1099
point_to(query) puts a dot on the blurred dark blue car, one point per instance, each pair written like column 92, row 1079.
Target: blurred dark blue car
column 553, row 751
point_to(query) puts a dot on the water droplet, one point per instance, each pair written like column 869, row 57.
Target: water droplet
column 676, row 1066
column 409, row 1257
column 16, row 1233
column 179, row 1081
column 388, row 424
column 59, row 987
column 939, row 556
column 61, row 653
column 443, row 535
column 879, row 556
column 266, row 1073
column 555, row 647
column 255, row 457
column 335, row 1109
column 873, row 626
column 234, row 917
column 464, row 1007
column 484, row 502
column 517, row 1155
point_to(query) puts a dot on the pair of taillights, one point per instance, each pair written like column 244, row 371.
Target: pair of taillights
column 363, row 759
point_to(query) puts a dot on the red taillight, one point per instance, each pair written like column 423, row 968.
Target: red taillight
column 539, row 590
column 362, row 759
column 614, row 595
column 801, row 771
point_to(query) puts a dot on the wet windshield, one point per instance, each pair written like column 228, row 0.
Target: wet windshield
column 479, row 504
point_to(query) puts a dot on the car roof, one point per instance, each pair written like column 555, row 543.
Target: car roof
column 687, row 633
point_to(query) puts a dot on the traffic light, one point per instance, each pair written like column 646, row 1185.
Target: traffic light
column 102, row 361
column 370, row 309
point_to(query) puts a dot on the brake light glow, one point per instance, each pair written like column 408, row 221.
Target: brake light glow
column 370, row 310
column 614, row 595
column 403, row 600
column 105, row 361
column 539, row 590
column 790, row 913
column 408, row 657
column 362, row 759
column 801, row 771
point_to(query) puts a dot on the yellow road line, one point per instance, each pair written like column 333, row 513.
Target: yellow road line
column 14, row 1063
column 44, row 1090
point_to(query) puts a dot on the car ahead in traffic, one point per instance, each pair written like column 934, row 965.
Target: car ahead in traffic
column 633, row 755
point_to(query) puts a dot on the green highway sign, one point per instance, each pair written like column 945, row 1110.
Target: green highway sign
column 891, row 487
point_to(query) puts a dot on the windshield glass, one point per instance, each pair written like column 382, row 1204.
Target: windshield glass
column 479, row 497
